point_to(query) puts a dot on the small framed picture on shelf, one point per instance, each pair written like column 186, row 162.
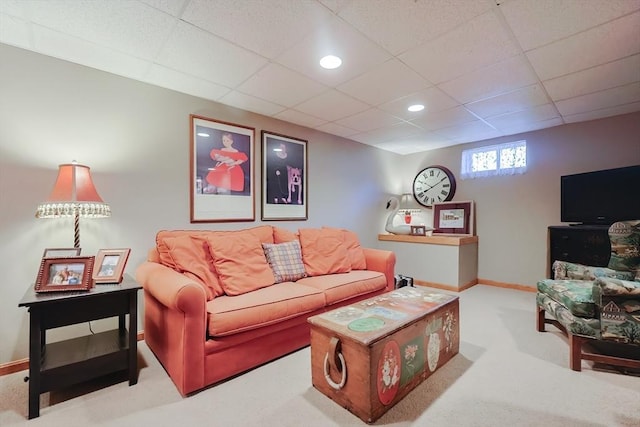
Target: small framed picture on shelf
column 61, row 252
column 65, row 274
column 453, row 218
column 110, row 265
column 418, row 230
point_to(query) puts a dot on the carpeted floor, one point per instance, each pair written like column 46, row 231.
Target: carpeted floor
column 506, row 374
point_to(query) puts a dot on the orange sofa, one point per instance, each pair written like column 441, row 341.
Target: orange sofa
column 218, row 303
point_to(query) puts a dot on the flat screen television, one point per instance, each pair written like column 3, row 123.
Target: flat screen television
column 601, row 197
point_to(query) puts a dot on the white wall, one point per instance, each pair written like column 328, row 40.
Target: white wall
column 513, row 212
column 135, row 137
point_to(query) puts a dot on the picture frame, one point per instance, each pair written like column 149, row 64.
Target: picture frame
column 454, row 218
column 221, row 179
column 65, row 274
column 61, row 252
column 418, row 230
column 284, row 178
column 109, row 265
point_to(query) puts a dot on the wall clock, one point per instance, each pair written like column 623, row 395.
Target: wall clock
column 434, row 184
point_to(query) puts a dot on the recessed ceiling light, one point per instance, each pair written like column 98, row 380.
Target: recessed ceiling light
column 330, row 62
column 416, row 107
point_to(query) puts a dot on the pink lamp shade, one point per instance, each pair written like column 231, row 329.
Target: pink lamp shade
column 74, row 195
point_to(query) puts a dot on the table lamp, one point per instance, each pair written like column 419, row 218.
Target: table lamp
column 74, row 195
column 407, row 207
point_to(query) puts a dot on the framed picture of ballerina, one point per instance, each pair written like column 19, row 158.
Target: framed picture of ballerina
column 284, row 178
column 221, row 174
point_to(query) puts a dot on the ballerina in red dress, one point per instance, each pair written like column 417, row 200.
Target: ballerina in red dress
column 227, row 175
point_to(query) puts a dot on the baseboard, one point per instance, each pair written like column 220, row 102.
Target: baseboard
column 23, row 364
column 446, row 287
column 507, row 285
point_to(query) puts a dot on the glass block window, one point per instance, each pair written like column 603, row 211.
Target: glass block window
column 502, row 159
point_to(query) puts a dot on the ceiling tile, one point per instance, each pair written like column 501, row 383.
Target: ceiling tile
column 369, row 120
column 335, row 37
column 172, row 7
column 432, row 98
column 621, row 95
column 221, row 61
column 331, row 105
column 517, row 100
column 267, row 27
column 480, row 43
column 277, row 84
column 493, row 80
column 617, row 73
column 185, row 83
column 127, row 26
column 536, row 114
column 444, row 119
column 401, row 131
column 392, row 80
column 14, row 31
column 540, row 22
column 470, row 131
column 251, row 103
column 608, row 42
column 299, row 118
column 401, row 25
column 602, row 113
column 86, row 53
column 336, row 129
column 521, row 127
column 423, row 142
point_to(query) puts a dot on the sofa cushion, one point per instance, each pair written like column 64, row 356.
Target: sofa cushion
column 575, row 295
column 282, row 235
column 341, row 287
column 324, row 251
column 354, row 250
column 240, row 263
column 625, row 246
column 190, row 256
column 285, row 259
column 228, row 315
column 570, row 270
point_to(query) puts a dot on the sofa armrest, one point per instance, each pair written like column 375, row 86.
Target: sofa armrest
column 382, row 261
column 172, row 289
column 175, row 323
column 619, row 307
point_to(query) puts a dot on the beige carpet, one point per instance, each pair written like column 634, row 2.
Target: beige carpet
column 506, row 374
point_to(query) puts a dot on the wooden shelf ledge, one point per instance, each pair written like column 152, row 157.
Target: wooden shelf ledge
column 438, row 239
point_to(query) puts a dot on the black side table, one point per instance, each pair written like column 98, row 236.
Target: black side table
column 63, row 363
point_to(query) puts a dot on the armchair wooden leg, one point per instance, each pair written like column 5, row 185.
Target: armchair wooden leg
column 575, row 352
column 540, row 320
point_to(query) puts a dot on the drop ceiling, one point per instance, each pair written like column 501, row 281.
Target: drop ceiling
column 482, row 68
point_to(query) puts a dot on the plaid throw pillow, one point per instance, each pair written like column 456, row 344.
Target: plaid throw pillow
column 285, row 260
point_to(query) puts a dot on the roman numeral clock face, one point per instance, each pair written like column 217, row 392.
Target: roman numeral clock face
column 434, row 184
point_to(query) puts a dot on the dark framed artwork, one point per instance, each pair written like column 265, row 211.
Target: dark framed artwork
column 284, row 178
column 418, row 230
column 453, row 218
column 221, row 174
column 109, row 265
column 64, row 274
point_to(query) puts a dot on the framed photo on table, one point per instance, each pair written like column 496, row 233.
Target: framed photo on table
column 221, row 179
column 109, row 265
column 284, row 178
column 61, row 252
column 418, row 230
column 453, row 218
column 64, row 274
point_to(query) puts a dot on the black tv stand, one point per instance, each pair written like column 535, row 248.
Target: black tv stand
column 579, row 243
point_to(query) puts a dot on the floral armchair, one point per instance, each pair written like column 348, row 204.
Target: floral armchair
column 598, row 303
